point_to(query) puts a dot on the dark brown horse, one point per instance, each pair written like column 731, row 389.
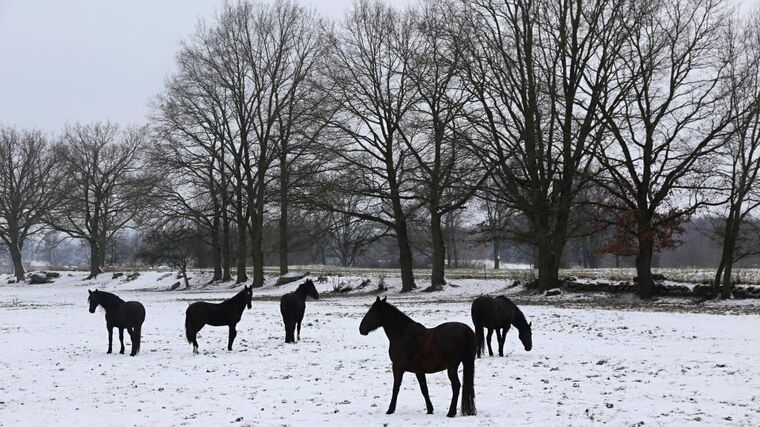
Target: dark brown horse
column 226, row 313
column 499, row 314
column 293, row 306
column 415, row 348
column 128, row 315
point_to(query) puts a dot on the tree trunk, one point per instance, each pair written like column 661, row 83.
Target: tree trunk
column 183, row 269
column 437, row 277
column 18, row 265
column 644, row 267
column 242, row 249
column 94, row 259
column 216, row 250
column 548, row 267
column 226, row 251
column 257, row 240
column 496, row 253
column 283, row 215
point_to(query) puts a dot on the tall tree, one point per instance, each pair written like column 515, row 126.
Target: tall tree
column 367, row 79
column 446, row 173
column 664, row 113
column 537, row 69
column 102, row 189
column 27, row 176
column 738, row 168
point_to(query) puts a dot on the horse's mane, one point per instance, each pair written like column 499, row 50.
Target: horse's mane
column 107, row 299
column 519, row 320
column 235, row 297
column 402, row 317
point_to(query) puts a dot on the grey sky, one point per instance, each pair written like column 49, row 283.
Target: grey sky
column 85, row 60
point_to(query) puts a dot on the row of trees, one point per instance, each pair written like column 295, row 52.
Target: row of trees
column 563, row 117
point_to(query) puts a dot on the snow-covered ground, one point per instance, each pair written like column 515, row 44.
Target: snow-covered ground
column 587, row 366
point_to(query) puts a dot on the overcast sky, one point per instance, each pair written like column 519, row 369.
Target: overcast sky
column 85, row 60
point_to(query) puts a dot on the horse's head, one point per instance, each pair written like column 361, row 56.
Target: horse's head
column 93, row 300
column 374, row 317
column 526, row 337
column 248, row 295
column 310, row 289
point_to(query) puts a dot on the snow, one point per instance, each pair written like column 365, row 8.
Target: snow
column 587, row 366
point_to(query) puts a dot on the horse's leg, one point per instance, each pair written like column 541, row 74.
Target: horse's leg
column 502, row 339
column 488, row 338
column 298, row 325
column 398, row 375
column 423, row 386
column 110, row 338
column 455, row 384
column 121, row 340
column 233, row 334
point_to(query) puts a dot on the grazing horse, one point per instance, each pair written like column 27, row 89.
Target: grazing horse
column 119, row 314
column 415, row 348
column 498, row 314
column 226, row 313
column 293, row 306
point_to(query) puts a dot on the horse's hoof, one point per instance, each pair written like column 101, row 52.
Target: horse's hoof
column 108, row 352
column 430, row 412
column 121, row 352
column 390, row 411
column 451, row 415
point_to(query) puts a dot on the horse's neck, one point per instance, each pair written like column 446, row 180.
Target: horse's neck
column 519, row 319
column 396, row 323
column 237, row 302
column 111, row 302
column 300, row 293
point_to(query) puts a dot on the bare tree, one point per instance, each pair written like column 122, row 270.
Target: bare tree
column 370, row 89
column 738, row 168
column 27, row 177
column 102, row 189
column 172, row 243
column 446, row 173
column 537, row 69
column 664, row 113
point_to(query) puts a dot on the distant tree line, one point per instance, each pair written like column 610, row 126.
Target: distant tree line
column 598, row 126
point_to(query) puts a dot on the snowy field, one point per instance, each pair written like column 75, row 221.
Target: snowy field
column 589, row 366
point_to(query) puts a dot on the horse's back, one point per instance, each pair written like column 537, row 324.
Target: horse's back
column 483, row 311
column 440, row 347
column 291, row 305
column 133, row 313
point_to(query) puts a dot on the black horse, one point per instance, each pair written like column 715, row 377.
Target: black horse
column 498, row 314
column 226, row 313
column 292, row 307
column 119, row 314
column 415, row 348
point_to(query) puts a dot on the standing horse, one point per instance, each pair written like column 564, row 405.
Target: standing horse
column 226, row 313
column 119, row 314
column 415, row 348
column 498, row 314
column 293, row 306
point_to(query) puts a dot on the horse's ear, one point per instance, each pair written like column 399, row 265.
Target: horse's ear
column 377, row 298
column 530, row 324
column 385, row 298
column 89, row 291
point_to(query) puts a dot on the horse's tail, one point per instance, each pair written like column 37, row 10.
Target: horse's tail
column 468, row 385
column 137, row 337
column 477, row 322
column 188, row 327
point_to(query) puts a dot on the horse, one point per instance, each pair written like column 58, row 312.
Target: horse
column 293, row 306
column 498, row 314
column 225, row 313
column 119, row 314
column 415, row 348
